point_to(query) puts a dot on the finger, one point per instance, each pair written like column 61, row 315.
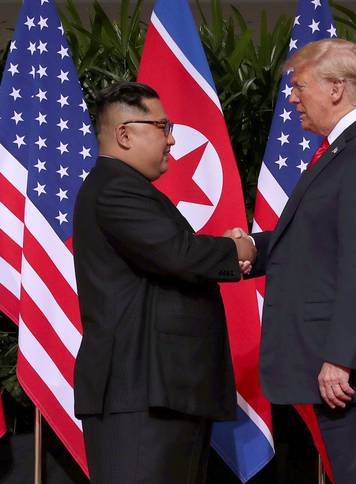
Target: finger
column 339, row 403
column 238, row 233
column 339, row 393
column 245, row 266
column 346, row 388
column 329, row 402
column 324, row 396
column 332, row 397
column 244, row 263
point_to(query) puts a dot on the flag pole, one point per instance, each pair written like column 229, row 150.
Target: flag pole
column 321, row 472
column 37, row 479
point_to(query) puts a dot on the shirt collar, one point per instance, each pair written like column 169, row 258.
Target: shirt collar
column 344, row 123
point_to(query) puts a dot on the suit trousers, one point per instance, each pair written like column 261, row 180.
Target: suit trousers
column 338, row 429
column 159, row 446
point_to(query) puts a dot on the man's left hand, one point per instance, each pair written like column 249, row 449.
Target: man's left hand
column 334, row 385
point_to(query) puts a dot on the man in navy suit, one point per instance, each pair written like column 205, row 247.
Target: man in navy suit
column 154, row 367
column 308, row 347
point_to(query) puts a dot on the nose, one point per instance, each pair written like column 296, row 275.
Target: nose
column 293, row 98
column 170, row 140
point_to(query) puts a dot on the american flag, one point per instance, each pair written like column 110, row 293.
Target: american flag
column 47, row 148
column 204, row 182
column 288, row 152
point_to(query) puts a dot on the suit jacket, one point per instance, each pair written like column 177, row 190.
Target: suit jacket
column 154, row 332
column 309, row 313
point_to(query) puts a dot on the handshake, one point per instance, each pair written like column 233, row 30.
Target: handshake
column 246, row 250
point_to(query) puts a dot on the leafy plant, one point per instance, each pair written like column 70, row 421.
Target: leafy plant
column 345, row 21
column 8, row 360
column 246, row 72
column 3, row 55
column 247, row 78
column 107, row 51
column 8, row 357
column 8, row 379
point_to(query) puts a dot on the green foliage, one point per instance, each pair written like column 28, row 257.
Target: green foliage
column 8, row 355
column 3, row 55
column 8, row 359
column 107, row 51
column 246, row 74
column 345, row 22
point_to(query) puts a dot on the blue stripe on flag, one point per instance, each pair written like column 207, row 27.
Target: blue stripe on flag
column 242, row 445
column 184, row 34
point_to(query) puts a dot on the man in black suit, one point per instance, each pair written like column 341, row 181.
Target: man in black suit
column 308, row 347
column 154, row 367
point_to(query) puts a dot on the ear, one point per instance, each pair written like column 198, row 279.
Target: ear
column 123, row 137
column 337, row 90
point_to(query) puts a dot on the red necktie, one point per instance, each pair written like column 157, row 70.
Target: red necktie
column 323, row 147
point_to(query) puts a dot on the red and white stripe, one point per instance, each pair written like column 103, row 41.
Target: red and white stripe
column 38, row 289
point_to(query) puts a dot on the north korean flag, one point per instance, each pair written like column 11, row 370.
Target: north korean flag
column 204, row 183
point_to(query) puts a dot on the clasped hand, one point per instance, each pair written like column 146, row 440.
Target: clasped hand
column 246, row 251
column 334, row 385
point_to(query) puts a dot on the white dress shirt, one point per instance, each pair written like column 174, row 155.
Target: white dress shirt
column 340, row 127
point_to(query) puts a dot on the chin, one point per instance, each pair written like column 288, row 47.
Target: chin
column 304, row 124
column 163, row 168
column 311, row 129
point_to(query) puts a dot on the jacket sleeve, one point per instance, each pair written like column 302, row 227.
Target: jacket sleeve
column 143, row 231
column 262, row 240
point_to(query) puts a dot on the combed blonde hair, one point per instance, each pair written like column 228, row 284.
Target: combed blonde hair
column 332, row 59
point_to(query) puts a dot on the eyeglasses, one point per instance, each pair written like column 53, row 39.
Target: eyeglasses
column 164, row 124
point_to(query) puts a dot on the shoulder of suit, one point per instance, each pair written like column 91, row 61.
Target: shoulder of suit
column 349, row 134
column 344, row 145
column 114, row 177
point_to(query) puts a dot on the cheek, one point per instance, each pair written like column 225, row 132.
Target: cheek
column 303, row 99
column 155, row 145
column 155, row 156
column 309, row 105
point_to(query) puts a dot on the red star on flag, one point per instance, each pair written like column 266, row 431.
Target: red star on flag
column 183, row 169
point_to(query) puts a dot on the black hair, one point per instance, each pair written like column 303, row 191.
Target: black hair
column 124, row 92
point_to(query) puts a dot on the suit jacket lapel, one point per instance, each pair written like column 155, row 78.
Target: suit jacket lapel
column 306, row 179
